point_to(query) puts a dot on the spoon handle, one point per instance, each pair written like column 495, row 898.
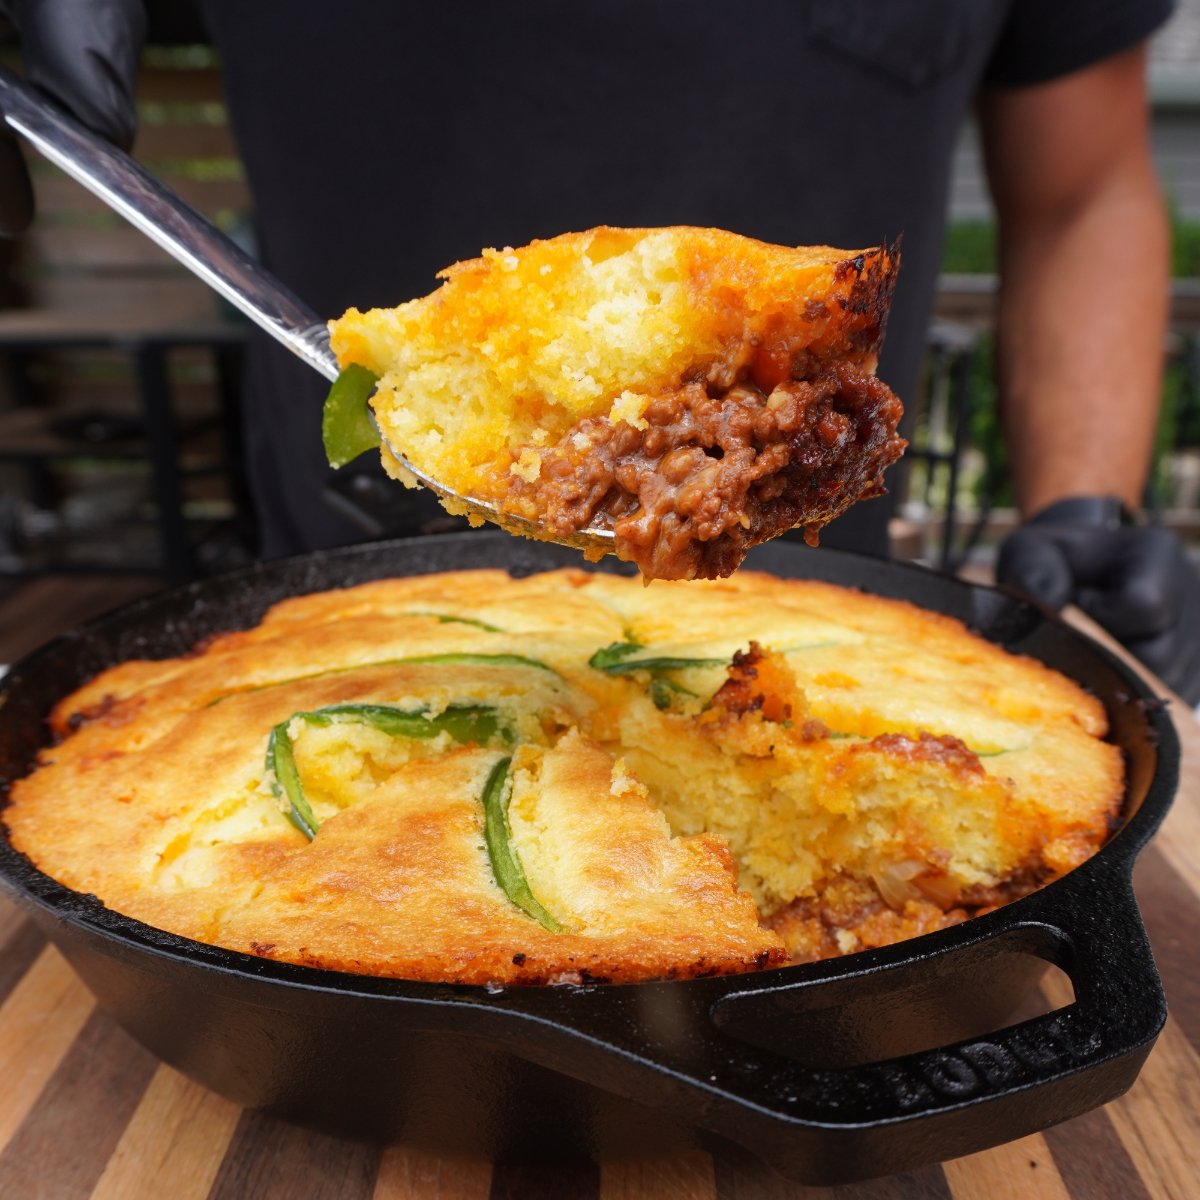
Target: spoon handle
column 151, row 207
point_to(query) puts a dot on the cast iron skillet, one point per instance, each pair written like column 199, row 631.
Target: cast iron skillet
column 830, row 1072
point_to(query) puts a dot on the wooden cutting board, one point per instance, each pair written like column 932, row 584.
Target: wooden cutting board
column 87, row 1114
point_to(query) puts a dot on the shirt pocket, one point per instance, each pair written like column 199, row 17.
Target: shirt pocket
column 912, row 43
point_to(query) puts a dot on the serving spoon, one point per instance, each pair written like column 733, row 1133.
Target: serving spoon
column 169, row 221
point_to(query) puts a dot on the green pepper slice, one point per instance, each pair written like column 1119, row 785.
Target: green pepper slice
column 663, row 692
column 346, row 426
column 611, row 657
column 285, row 780
column 463, row 722
column 479, row 660
column 447, row 619
column 616, row 659
column 666, row 664
column 506, row 865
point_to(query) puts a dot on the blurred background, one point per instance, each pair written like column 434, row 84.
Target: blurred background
column 120, row 372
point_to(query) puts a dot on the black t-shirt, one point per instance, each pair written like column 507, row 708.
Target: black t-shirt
column 383, row 141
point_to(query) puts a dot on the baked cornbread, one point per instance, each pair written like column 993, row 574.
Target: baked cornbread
column 694, row 391
column 568, row 777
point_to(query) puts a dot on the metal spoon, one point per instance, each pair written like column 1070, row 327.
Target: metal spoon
column 153, row 209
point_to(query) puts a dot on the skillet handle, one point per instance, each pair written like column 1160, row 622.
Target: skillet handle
column 836, row 1125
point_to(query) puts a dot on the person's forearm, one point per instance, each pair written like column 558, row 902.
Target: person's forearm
column 1080, row 345
column 1084, row 283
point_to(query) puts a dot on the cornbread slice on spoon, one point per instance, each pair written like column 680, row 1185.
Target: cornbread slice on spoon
column 693, row 391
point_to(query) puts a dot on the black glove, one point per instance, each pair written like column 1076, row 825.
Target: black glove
column 1134, row 580
column 83, row 54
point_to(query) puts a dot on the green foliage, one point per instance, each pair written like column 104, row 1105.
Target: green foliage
column 1184, row 390
column 1179, row 425
column 1179, row 417
column 994, row 480
column 1185, row 247
column 970, row 248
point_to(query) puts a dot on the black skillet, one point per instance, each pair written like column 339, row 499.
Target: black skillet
column 829, row 1072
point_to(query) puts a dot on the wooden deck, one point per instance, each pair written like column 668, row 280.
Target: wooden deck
column 33, row 613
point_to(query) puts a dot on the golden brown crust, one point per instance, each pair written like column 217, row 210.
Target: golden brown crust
column 871, row 769
column 400, row 885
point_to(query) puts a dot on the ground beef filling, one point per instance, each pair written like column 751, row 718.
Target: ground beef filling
column 715, row 473
column 855, row 914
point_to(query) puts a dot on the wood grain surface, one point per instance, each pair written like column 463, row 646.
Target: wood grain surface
column 87, row 1114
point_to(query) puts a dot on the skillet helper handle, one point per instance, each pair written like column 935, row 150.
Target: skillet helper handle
column 816, row 1124
column 954, row 1100
column 152, row 208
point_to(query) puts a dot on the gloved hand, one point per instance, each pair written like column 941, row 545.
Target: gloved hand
column 1134, row 580
column 83, row 54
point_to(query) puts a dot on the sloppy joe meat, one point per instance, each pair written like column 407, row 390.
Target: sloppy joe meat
column 716, row 471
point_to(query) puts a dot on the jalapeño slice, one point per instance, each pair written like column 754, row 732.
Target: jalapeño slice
column 463, row 722
column 346, row 426
column 506, row 865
